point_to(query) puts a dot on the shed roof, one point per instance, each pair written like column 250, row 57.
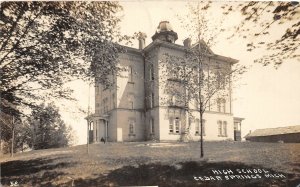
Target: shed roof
column 274, row 131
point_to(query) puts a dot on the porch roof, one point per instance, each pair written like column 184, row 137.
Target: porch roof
column 96, row 116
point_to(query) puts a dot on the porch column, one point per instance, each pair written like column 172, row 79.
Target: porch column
column 88, row 135
column 95, row 131
column 106, row 127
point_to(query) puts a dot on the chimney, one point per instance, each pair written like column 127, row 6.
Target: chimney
column 142, row 37
column 187, row 43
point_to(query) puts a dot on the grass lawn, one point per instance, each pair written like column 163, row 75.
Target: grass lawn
column 162, row 164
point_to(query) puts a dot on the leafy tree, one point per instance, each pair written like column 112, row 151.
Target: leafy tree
column 48, row 129
column 260, row 23
column 7, row 128
column 15, row 134
column 46, row 44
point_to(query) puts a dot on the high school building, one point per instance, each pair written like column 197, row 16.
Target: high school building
column 133, row 109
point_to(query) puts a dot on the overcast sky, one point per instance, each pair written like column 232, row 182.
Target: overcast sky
column 266, row 97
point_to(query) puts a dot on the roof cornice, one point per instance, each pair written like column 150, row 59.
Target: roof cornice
column 184, row 49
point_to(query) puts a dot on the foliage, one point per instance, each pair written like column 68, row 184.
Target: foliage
column 5, row 126
column 48, row 130
column 261, row 22
column 21, row 130
column 46, row 44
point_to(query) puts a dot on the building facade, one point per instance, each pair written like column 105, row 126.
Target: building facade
column 138, row 107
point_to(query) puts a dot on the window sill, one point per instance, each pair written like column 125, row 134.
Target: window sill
column 131, row 134
column 174, row 133
column 222, row 136
column 197, row 134
column 130, row 82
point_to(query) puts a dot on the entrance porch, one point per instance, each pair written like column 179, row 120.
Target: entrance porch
column 97, row 127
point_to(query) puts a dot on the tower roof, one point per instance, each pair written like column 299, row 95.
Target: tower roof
column 165, row 32
column 164, row 26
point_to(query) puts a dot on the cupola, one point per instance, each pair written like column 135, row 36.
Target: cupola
column 165, row 32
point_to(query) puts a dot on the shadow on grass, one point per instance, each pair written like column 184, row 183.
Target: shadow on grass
column 183, row 174
column 34, row 172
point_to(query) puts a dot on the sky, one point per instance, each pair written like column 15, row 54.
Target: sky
column 266, row 97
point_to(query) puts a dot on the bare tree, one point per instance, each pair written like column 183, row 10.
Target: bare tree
column 198, row 79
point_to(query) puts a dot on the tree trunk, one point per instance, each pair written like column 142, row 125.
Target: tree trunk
column 201, row 135
column 13, row 138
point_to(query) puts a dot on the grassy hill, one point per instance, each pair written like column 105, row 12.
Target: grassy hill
column 163, row 164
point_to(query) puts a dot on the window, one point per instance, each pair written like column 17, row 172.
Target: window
column 152, row 100
column 105, row 105
column 195, row 74
column 131, row 104
column 131, row 126
column 203, row 127
column 151, row 125
column 130, row 74
column 177, row 125
column 221, row 81
column 197, row 126
column 130, row 101
column 221, row 104
column 171, row 125
column 113, row 101
column 222, row 128
column 172, row 100
column 151, row 72
column 190, row 122
column 224, row 106
column 196, row 104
